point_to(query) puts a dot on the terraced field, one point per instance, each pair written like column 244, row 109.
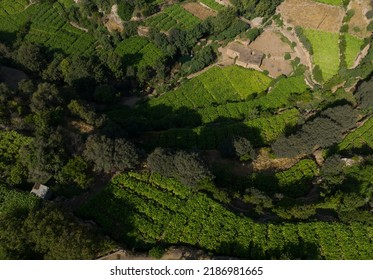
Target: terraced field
column 138, row 51
column 139, row 207
column 353, row 46
column 174, row 16
column 327, row 58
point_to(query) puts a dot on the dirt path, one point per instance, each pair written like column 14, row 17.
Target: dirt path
column 74, row 24
column 361, row 56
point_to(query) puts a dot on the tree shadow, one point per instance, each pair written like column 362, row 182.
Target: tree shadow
column 301, row 250
column 8, row 37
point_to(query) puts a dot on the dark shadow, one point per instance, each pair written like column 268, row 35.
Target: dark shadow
column 7, row 37
column 300, row 250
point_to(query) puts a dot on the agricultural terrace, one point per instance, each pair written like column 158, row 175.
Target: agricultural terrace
column 215, row 86
column 260, row 131
column 48, row 27
column 161, row 114
column 325, row 51
column 199, row 10
column 174, row 16
column 358, row 24
column 138, row 51
column 331, row 2
column 353, row 46
column 143, row 208
column 360, row 137
column 312, row 15
column 212, row 4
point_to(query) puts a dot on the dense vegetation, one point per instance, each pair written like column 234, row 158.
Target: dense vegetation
column 117, row 118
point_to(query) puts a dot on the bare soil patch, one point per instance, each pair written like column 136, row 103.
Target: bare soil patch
column 358, row 23
column 199, row 11
column 313, row 15
column 277, row 67
column 264, row 162
column 113, row 21
column 274, row 45
column 270, row 43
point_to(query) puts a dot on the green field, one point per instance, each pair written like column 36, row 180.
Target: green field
column 139, row 51
column 325, row 51
column 259, row 131
column 217, row 85
column 48, row 27
column 139, row 207
column 353, row 45
column 174, row 16
column 213, row 5
column 362, row 136
column 331, row 2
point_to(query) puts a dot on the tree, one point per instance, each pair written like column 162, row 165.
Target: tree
column 188, row 168
column 111, row 155
column 46, row 97
column 239, row 147
column 30, row 56
column 332, row 172
column 75, row 172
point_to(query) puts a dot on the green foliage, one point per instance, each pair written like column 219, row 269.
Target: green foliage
column 188, row 168
column 353, row 46
column 331, row 2
column 202, row 59
column 213, row 5
column 111, row 155
column 138, row 51
column 359, row 138
column 125, row 10
column 332, row 172
column 253, row 33
column 320, row 132
column 153, row 211
column 239, row 147
column 31, row 232
column 296, row 180
column 364, row 94
column 326, row 58
column 254, row 8
column 174, row 16
column 258, row 131
column 75, row 173
column 11, row 163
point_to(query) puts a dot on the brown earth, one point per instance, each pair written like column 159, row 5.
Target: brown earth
column 274, row 45
column 113, row 21
column 199, row 11
column 270, row 43
column 313, row 15
column 264, row 162
column 358, row 23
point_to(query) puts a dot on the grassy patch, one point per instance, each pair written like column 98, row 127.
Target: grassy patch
column 325, row 51
column 353, row 45
column 331, row 2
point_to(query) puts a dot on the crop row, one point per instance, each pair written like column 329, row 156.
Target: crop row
column 207, row 224
column 212, row 4
column 359, row 137
column 139, row 51
column 171, row 17
column 259, row 131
